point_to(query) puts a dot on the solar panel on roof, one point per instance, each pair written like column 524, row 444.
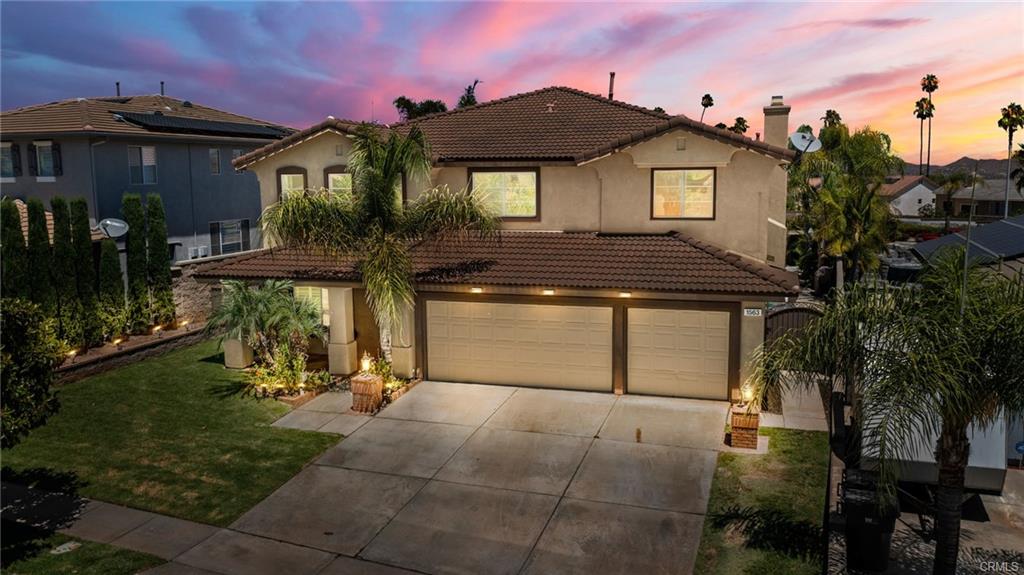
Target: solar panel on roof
column 182, row 125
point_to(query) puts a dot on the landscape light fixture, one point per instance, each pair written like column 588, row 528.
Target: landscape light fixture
column 364, row 363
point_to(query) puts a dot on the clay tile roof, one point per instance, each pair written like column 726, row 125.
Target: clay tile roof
column 96, row 235
column 896, row 188
column 550, row 124
column 658, row 263
column 98, row 115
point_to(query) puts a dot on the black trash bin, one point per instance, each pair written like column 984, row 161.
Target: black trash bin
column 869, row 529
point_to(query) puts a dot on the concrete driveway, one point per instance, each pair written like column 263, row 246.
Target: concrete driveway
column 476, row 479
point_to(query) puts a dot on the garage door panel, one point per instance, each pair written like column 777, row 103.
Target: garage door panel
column 681, row 353
column 520, row 344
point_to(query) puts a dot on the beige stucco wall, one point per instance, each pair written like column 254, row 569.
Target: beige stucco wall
column 751, row 336
column 611, row 194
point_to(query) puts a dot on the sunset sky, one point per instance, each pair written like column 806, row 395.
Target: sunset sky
column 296, row 63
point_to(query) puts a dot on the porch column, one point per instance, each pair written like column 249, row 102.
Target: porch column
column 403, row 345
column 341, row 348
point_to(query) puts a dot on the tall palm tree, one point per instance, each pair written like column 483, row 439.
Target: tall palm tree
column 831, row 119
column 930, row 83
column 851, row 223
column 740, row 126
column 373, row 227
column 1011, row 119
column 921, row 365
column 923, row 110
column 706, row 102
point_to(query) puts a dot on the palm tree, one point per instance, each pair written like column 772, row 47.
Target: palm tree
column 850, row 223
column 373, row 227
column 740, row 126
column 952, row 183
column 1011, row 119
column 923, row 110
column 930, row 83
column 264, row 316
column 468, row 97
column 920, row 365
column 706, row 102
column 831, row 119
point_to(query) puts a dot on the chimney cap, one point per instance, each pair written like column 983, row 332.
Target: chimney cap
column 777, row 101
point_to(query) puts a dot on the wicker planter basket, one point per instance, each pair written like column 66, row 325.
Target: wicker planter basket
column 367, row 392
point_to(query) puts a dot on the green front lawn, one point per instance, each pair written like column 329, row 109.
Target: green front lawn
column 171, row 435
column 88, row 559
column 785, row 486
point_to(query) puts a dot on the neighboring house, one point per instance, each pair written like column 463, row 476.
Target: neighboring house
column 908, row 194
column 95, row 235
column 989, row 200
column 103, row 148
column 999, row 245
column 638, row 252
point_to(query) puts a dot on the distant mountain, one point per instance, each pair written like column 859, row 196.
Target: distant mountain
column 987, row 169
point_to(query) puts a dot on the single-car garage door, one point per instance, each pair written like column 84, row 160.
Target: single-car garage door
column 683, row 353
column 556, row 346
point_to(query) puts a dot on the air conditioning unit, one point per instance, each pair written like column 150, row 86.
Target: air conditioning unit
column 193, row 253
column 204, row 251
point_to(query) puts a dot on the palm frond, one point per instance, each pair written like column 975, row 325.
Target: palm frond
column 386, row 270
column 440, row 214
column 314, row 220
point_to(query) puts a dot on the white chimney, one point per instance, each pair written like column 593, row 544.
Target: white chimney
column 776, row 122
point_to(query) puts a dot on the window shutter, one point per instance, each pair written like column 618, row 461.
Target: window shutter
column 16, row 159
column 214, row 238
column 33, row 167
column 58, row 167
column 245, row 236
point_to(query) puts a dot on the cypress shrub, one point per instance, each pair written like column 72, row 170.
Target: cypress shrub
column 12, row 251
column 40, row 285
column 63, row 273
column 85, row 272
column 138, row 292
column 159, row 268
column 113, row 310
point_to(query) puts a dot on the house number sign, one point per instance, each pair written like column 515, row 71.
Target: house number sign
column 752, row 312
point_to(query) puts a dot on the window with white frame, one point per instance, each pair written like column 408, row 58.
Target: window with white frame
column 230, row 236
column 44, row 159
column 317, row 297
column 292, row 184
column 339, row 182
column 511, row 194
column 214, row 161
column 683, row 194
column 142, row 164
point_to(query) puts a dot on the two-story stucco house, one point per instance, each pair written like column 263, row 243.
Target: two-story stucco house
column 637, row 254
column 103, row 148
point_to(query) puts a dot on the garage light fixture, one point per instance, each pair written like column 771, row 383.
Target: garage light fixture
column 548, row 292
column 625, row 294
column 476, row 290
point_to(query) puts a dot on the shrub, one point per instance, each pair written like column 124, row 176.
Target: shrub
column 138, row 292
column 40, row 284
column 13, row 254
column 286, row 374
column 85, row 272
column 161, row 296
column 113, row 310
column 62, row 270
column 29, row 352
column 926, row 211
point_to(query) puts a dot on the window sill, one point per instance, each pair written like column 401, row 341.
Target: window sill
column 46, row 179
column 695, row 219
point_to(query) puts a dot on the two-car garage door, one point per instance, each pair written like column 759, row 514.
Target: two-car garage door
column 675, row 352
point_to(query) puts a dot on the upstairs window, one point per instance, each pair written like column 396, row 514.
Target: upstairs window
column 214, row 161
column 142, row 164
column 512, row 194
column 229, row 236
column 337, row 180
column 44, row 158
column 7, row 160
column 290, row 180
column 683, row 194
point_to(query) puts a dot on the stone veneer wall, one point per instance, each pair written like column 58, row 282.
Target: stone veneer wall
column 192, row 299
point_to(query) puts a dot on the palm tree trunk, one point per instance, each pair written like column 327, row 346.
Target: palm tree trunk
column 928, row 164
column 920, row 154
column 702, row 114
column 951, row 453
column 1009, row 163
column 385, row 343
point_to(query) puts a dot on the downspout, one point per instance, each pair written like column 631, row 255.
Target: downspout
column 192, row 199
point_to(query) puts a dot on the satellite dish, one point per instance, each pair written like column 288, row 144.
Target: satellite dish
column 804, row 143
column 113, row 227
